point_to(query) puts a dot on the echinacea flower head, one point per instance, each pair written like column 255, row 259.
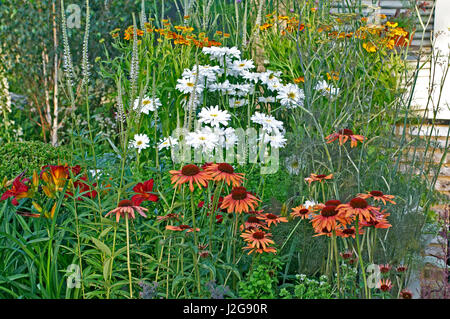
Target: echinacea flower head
column 191, row 174
column 318, row 178
column 240, row 200
column 401, row 268
column 343, row 135
column 144, row 193
column 225, row 172
column 385, row 268
column 253, row 222
column 270, row 219
column 257, row 239
column 378, row 196
column 182, row 228
column 349, row 232
column 170, row 216
column 406, row 294
column 346, row 254
column 126, row 209
column 327, row 219
column 301, row 212
column 385, row 285
column 359, row 208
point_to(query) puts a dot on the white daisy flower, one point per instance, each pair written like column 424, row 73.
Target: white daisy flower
column 167, row 142
column 203, row 138
column 326, row 89
column 269, row 123
column 290, row 96
column 269, row 99
column 213, row 116
column 187, row 85
column 293, row 164
column 270, row 77
column 234, row 103
column 140, row 142
column 239, row 66
column 309, row 203
column 147, row 104
column 275, row 140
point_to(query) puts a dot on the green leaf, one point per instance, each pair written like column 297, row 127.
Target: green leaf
column 100, row 245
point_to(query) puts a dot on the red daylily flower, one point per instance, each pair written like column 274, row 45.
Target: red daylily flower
column 144, row 193
column 18, row 190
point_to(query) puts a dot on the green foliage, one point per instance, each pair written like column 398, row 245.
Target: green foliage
column 261, row 282
column 309, row 288
column 15, row 157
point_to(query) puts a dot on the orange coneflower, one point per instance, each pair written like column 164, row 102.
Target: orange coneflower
column 348, row 232
column 343, row 135
column 272, row 219
column 327, row 219
column 126, row 208
column 260, row 250
column 359, row 207
column 253, row 222
column 169, row 216
column 257, row 239
column 301, row 212
column 317, row 178
column 378, row 195
column 181, row 228
column 190, row 173
column 225, row 172
column 240, row 200
column 385, row 285
column 377, row 222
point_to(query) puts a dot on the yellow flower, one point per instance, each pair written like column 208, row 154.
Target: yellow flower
column 391, row 25
column 370, row 47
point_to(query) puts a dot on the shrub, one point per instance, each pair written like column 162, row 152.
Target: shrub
column 15, row 157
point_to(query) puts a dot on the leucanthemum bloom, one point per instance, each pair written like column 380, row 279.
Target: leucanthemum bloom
column 147, row 105
column 235, row 103
column 167, row 142
column 291, row 96
column 326, row 89
column 204, row 138
column 140, row 142
column 190, row 174
column 293, row 164
column 213, row 116
column 188, row 85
